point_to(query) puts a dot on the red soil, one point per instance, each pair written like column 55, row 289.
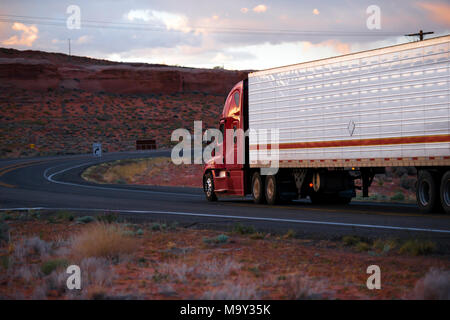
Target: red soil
column 63, row 104
column 270, row 264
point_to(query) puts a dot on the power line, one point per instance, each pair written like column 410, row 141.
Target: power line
column 60, row 22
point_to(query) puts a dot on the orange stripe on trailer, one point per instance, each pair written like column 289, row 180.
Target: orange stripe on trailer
column 356, row 143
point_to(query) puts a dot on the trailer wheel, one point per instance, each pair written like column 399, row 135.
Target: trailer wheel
column 272, row 192
column 258, row 188
column 208, row 187
column 445, row 192
column 427, row 193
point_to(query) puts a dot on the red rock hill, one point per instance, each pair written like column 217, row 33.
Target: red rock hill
column 36, row 70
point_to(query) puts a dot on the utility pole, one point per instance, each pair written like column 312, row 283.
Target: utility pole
column 420, row 34
column 69, row 47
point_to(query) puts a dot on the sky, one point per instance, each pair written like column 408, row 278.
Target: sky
column 243, row 35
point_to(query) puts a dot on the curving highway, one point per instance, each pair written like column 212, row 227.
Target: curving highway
column 56, row 183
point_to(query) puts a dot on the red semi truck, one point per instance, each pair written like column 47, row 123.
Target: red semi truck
column 339, row 120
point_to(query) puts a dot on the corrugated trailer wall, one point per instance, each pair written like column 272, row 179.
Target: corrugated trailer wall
column 382, row 107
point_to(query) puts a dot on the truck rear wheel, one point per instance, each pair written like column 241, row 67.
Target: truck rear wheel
column 258, row 188
column 427, row 193
column 208, row 187
column 445, row 192
column 272, row 192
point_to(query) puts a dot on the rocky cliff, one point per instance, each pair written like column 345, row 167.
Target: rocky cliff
column 35, row 70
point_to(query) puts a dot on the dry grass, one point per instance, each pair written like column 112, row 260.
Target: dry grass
column 125, row 171
column 301, row 287
column 232, row 291
column 102, row 240
column 33, row 247
column 417, row 247
column 434, row 286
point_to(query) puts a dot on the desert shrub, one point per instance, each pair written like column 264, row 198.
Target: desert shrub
column 39, row 293
column 31, row 247
column 109, row 217
column 384, row 246
column 97, row 272
column 232, row 291
column 4, row 262
column 243, row 229
column 4, row 232
column 289, row 235
column 5, row 217
column 417, row 247
column 103, row 240
column 158, row 226
column 350, row 240
column 85, row 219
column 362, row 246
column 178, row 271
column 257, row 236
column 64, row 215
column 435, row 285
column 222, row 238
column 51, row 265
column 301, row 287
column 217, row 268
column 25, row 272
column 398, row 196
column 380, row 181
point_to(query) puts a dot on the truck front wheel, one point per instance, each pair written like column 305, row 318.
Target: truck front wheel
column 427, row 193
column 257, row 188
column 445, row 192
column 208, row 187
column 272, row 192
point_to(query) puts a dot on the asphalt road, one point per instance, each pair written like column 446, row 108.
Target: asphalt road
column 56, row 183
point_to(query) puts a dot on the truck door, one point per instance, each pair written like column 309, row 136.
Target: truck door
column 235, row 173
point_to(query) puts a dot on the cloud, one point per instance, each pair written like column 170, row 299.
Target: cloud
column 337, row 46
column 260, row 8
column 438, row 12
column 172, row 21
column 244, row 10
column 28, row 36
column 84, row 39
column 316, row 11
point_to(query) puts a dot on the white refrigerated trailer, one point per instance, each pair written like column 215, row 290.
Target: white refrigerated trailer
column 350, row 117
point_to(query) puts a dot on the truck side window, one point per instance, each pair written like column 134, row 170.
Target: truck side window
column 237, row 99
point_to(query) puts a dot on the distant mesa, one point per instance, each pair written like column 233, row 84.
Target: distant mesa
column 37, row 70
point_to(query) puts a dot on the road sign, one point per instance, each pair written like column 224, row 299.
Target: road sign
column 97, row 149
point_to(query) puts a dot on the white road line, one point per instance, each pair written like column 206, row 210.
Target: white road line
column 50, row 178
column 192, row 214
